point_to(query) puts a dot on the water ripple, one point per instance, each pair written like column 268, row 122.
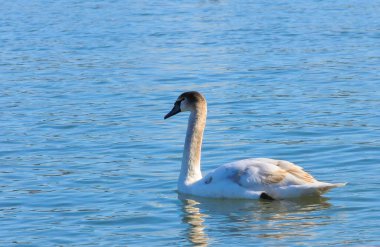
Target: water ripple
column 87, row 159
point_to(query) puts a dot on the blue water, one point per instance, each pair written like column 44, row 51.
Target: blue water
column 87, row 159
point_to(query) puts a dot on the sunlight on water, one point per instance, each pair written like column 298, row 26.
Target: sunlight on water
column 87, row 159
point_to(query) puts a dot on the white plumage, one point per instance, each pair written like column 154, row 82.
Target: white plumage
column 249, row 178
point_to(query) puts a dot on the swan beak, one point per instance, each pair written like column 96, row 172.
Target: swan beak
column 176, row 109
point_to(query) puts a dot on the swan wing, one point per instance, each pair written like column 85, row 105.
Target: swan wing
column 276, row 178
column 261, row 172
column 291, row 168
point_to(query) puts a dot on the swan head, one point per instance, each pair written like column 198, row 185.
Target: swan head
column 188, row 101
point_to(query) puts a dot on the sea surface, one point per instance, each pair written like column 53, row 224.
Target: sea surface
column 86, row 158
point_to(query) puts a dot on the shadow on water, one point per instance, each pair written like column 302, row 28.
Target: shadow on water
column 252, row 218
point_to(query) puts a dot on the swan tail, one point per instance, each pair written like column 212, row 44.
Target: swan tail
column 305, row 190
column 324, row 187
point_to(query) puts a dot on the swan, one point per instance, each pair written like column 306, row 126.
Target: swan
column 252, row 178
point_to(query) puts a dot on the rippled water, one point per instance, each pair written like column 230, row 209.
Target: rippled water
column 87, row 159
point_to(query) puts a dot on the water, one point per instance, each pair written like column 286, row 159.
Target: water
column 87, row 159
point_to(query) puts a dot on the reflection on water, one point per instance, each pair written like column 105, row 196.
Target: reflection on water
column 246, row 218
column 195, row 219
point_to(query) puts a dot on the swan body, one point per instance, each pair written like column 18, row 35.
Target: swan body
column 244, row 179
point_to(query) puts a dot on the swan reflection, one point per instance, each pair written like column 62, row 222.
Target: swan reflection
column 195, row 219
column 252, row 218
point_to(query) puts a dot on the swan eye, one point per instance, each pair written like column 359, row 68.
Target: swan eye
column 180, row 100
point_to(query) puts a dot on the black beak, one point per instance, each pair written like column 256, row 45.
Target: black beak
column 176, row 109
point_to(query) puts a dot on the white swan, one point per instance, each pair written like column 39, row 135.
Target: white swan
column 249, row 178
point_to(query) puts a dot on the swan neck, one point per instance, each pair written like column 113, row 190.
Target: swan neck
column 191, row 160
